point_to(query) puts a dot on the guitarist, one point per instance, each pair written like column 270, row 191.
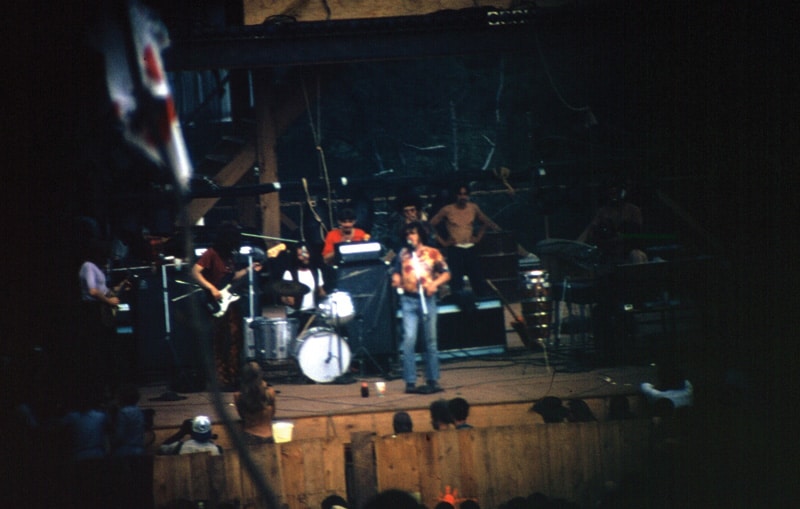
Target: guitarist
column 213, row 271
column 98, row 351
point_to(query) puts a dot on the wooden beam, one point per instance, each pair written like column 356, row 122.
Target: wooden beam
column 267, row 139
column 230, row 174
column 256, row 11
column 276, row 109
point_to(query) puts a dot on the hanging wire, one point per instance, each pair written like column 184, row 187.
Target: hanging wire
column 312, row 206
column 316, row 134
column 553, row 83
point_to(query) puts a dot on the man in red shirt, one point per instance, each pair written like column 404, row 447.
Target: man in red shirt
column 213, row 271
column 347, row 232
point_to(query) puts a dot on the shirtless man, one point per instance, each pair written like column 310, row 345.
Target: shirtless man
column 460, row 219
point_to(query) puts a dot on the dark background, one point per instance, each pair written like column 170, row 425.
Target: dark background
column 699, row 89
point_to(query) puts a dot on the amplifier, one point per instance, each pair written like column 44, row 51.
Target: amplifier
column 349, row 252
column 481, row 329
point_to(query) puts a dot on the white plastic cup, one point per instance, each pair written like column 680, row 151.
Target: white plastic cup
column 381, row 388
column 282, row 432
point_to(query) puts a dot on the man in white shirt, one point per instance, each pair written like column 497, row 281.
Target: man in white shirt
column 301, row 271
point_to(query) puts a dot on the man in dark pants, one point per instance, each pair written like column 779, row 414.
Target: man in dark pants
column 462, row 257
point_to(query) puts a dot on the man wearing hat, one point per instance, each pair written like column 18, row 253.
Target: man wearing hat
column 201, row 439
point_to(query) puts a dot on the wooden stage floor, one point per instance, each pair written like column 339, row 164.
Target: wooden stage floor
column 500, row 385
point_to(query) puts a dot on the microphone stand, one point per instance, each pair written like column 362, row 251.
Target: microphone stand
column 343, row 378
column 420, row 289
column 178, row 375
column 422, row 300
column 249, row 333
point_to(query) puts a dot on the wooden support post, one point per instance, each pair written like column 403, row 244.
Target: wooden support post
column 365, row 480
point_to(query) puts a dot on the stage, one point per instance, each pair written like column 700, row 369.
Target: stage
column 501, row 382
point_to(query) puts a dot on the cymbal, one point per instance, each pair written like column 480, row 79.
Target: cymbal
column 289, row 288
column 569, row 249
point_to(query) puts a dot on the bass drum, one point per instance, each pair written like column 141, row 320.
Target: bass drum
column 317, row 352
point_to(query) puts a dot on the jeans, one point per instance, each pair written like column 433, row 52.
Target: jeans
column 411, row 308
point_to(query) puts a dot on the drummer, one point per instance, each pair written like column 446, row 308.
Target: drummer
column 303, row 306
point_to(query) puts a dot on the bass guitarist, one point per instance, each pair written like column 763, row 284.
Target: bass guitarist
column 97, row 360
column 214, row 271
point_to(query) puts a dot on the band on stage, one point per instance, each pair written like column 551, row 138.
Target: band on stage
column 425, row 262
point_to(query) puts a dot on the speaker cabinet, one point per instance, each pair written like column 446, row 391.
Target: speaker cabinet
column 481, row 327
column 370, row 289
column 159, row 350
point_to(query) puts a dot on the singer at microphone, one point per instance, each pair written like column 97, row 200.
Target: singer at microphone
column 419, row 270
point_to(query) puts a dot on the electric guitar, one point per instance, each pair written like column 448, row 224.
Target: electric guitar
column 108, row 314
column 219, row 307
column 228, row 295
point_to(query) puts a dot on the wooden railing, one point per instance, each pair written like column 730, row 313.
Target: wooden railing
column 571, row 461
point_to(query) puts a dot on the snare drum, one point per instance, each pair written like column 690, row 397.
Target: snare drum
column 273, row 337
column 317, row 352
column 337, row 308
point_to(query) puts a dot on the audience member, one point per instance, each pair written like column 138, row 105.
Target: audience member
column 392, row 499
column 469, row 504
column 551, row 409
column 537, row 500
column 334, row 502
column 444, row 505
column 579, row 411
column 255, row 403
column 440, row 415
column 88, row 429
column 619, row 408
column 671, row 385
column 128, row 424
column 516, row 503
column 401, row 422
column 459, row 411
column 201, row 439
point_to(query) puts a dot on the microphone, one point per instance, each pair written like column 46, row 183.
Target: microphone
column 411, row 248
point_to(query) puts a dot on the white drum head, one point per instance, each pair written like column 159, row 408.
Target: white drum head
column 337, row 308
column 318, row 353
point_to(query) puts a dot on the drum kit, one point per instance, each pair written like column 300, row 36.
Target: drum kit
column 322, row 354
